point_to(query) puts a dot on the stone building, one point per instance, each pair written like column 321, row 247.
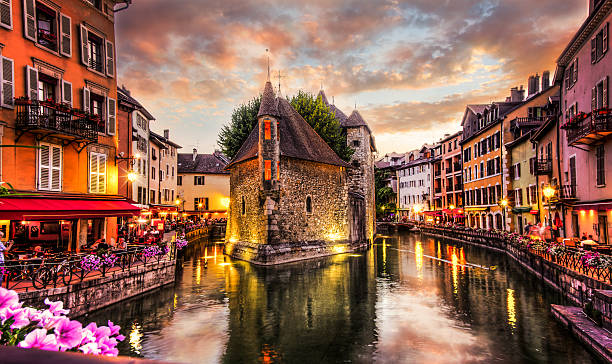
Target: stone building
column 291, row 196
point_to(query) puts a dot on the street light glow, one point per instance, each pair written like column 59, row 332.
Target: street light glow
column 503, row 202
column 131, row 176
column 548, row 192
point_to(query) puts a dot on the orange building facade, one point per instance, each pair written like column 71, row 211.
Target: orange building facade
column 59, row 119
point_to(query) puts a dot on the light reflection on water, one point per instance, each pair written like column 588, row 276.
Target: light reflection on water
column 394, row 303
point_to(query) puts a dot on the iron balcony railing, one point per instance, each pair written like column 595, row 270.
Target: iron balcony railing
column 590, row 129
column 543, row 166
column 524, row 122
column 50, row 116
column 568, row 192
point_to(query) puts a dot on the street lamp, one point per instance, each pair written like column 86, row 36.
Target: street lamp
column 504, row 203
column 417, row 210
column 451, row 207
column 131, row 176
column 549, row 192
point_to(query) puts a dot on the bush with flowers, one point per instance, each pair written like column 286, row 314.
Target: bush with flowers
column 152, row 251
column 595, row 260
column 90, row 262
column 181, row 243
column 51, row 329
column 109, row 259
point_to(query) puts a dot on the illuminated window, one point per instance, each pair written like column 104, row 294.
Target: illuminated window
column 268, row 169
column 308, row 205
column 278, row 170
column 267, row 131
column 278, row 130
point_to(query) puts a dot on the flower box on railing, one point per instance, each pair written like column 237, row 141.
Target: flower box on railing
column 575, row 121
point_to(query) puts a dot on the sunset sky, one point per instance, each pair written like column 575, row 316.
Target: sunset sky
column 410, row 66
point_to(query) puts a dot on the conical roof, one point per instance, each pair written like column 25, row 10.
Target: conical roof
column 268, row 102
column 340, row 116
column 355, row 120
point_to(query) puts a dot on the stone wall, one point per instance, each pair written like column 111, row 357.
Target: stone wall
column 326, row 185
column 244, row 183
column 361, row 176
column 90, row 295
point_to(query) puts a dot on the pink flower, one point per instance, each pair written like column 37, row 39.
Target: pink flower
column 8, row 298
column 57, row 307
column 48, row 320
column 90, row 348
column 102, row 332
column 20, row 317
column 40, row 340
column 114, row 328
column 69, row 333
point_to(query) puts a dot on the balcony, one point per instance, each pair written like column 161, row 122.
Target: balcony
column 543, row 167
column 582, row 129
column 526, row 122
column 567, row 192
column 52, row 119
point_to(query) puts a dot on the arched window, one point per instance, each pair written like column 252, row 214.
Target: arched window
column 308, row 205
column 243, row 206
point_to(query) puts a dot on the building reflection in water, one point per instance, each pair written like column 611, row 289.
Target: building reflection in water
column 382, row 305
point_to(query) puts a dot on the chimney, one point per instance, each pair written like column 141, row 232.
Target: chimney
column 536, row 83
column 545, row 80
column 516, row 94
column 530, row 86
column 195, row 154
column 167, row 134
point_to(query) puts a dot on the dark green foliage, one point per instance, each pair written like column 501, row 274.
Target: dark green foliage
column 323, row 121
column 233, row 135
column 385, row 197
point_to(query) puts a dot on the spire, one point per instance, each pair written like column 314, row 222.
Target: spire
column 323, row 97
column 268, row 55
column 268, row 102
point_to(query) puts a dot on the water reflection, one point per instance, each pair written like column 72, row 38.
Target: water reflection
column 404, row 300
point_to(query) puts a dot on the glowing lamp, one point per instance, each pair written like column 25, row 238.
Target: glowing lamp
column 200, row 205
column 131, row 176
column 137, row 155
column 548, row 192
column 451, row 207
column 503, row 202
column 225, row 201
column 142, row 221
column 177, row 202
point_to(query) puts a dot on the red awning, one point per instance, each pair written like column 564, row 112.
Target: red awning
column 432, row 213
column 25, row 208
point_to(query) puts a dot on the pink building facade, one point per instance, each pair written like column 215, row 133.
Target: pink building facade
column 583, row 70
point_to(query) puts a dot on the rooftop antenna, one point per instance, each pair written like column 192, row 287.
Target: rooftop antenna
column 268, row 55
column 333, row 101
column 279, row 82
column 321, row 85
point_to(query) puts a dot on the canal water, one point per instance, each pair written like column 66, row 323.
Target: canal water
column 409, row 299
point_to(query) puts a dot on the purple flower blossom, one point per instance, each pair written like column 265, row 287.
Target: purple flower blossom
column 8, row 298
column 113, row 328
column 56, row 308
column 40, row 340
column 69, row 333
column 18, row 315
column 90, row 348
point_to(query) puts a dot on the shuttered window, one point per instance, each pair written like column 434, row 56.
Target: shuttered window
column 601, row 166
column 97, row 172
column 7, row 76
column 49, row 167
column 111, row 116
column 110, row 59
column 6, row 14
column 32, row 82
column 67, row 93
column 29, row 19
column 84, row 45
column 65, row 35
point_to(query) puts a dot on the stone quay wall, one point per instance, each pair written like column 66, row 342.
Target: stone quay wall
column 577, row 287
column 90, row 295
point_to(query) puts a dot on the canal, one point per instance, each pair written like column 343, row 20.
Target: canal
column 409, row 299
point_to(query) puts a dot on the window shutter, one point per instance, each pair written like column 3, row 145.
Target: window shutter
column 593, row 50
column 594, row 98
column 605, row 38
column 84, row 46
column 56, row 168
column 29, row 20
column 44, row 167
column 66, row 35
column 93, row 172
column 111, row 116
column 6, row 14
column 605, row 92
column 67, row 93
column 575, row 70
column 567, row 78
column 86, row 97
column 8, row 84
column 32, row 83
column 102, row 173
column 110, row 59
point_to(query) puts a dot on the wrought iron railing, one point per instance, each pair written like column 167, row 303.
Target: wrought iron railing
column 47, row 115
column 579, row 132
column 568, row 192
column 530, row 121
column 33, row 274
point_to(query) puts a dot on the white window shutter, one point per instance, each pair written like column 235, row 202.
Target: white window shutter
column 6, row 14
column 575, row 70
column 66, row 35
column 32, row 83
column 594, row 98
column 593, row 50
column 44, row 167
column 67, row 93
column 84, row 45
column 102, row 173
column 110, row 59
column 56, row 168
column 86, row 97
column 605, row 37
column 8, row 84
column 29, row 20
column 93, row 172
column 111, row 116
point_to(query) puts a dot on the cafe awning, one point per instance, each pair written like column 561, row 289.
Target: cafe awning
column 26, row 208
column 599, row 206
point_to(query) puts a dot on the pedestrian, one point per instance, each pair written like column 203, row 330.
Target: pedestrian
column 2, row 250
column 528, row 228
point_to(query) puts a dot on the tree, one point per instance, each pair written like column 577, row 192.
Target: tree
column 313, row 110
column 384, row 194
column 233, row 135
column 317, row 114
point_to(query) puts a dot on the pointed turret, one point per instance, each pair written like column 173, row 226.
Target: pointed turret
column 269, row 104
column 323, row 97
column 355, row 120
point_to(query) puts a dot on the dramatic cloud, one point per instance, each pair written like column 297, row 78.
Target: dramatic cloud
column 412, row 64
